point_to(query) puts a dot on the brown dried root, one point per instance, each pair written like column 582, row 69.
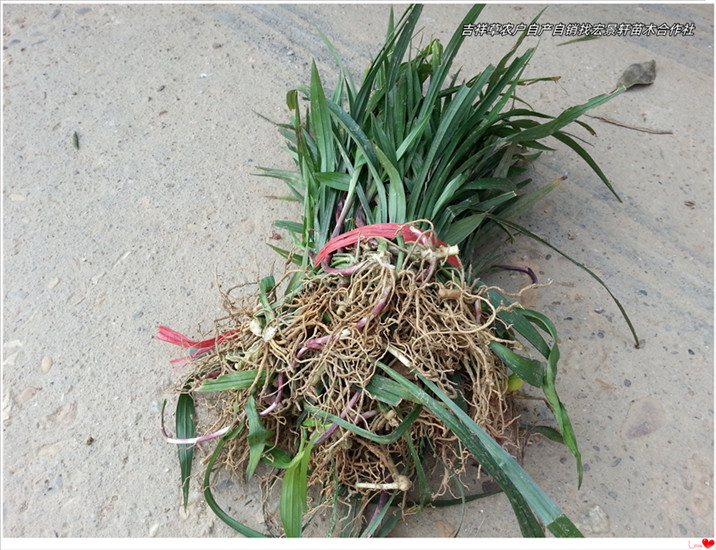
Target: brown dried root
column 319, row 350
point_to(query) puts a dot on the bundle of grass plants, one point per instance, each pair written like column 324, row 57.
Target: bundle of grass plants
column 366, row 381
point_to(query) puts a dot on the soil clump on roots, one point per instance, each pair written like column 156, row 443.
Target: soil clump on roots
column 316, row 355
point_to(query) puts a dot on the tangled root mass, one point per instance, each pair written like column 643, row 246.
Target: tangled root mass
column 317, row 350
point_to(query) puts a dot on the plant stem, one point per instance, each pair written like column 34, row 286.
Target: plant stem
column 329, row 432
column 521, row 269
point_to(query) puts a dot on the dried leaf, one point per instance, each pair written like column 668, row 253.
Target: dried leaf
column 638, row 73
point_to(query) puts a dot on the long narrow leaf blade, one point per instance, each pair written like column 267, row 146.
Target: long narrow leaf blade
column 321, row 122
column 186, row 429
column 209, row 497
column 256, row 438
column 492, row 460
column 619, row 305
column 548, row 512
column 522, row 491
column 566, row 117
column 232, row 381
column 294, row 491
column 529, row 370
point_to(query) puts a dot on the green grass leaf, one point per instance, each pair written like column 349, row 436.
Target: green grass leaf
column 550, row 392
column 571, row 143
column 386, row 390
column 277, row 458
column 566, row 117
column 530, row 370
column 209, row 497
column 321, row 122
column 425, row 494
column 334, row 180
column 257, row 437
column 346, row 75
column 293, row 227
column 292, row 179
column 294, row 492
column 240, row 380
column 460, row 229
column 392, row 437
column 619, row 305
column 549, row 433
column 519, row 487
column 186, row 429
column 298, row 259
column 375, row 523
column 396, row 191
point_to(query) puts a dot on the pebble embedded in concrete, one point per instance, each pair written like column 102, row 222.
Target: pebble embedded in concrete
column 27, row 394
column 595, row 521
column 46, row 364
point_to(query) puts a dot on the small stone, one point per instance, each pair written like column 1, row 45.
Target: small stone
column 28, row 394
column 17, row 197
column 595, row 520
column 68, row 413
column 46, row 364
column 153, row 530
column 50, row 450
column 10, row 360
column 53, row 283
column 598, row 310
column 7, row 404
column 65, row 415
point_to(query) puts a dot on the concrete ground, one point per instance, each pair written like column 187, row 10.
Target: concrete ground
column 105, row 242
